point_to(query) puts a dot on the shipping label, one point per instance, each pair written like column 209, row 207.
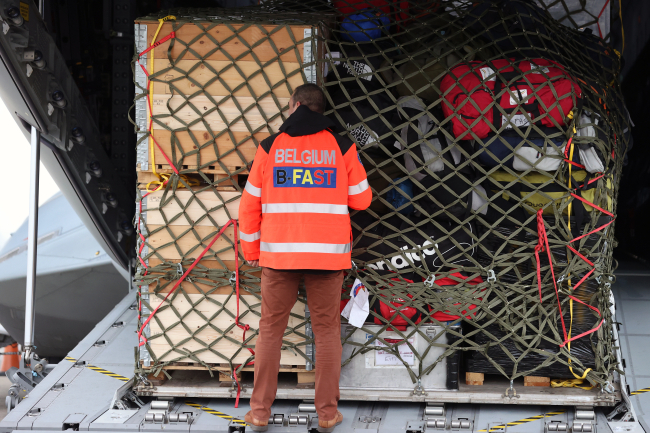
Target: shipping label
column 388, row 358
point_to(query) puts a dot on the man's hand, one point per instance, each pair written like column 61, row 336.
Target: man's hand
column 254, row 263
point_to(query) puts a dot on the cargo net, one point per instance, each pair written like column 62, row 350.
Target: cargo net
column 493, row 139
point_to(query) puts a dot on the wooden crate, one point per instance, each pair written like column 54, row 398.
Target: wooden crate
column 190, row 305
column 224, row 89
column 177, row 238
column 195, row 290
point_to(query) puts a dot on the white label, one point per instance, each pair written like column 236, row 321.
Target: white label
column 358, row 307
column 522, row 92
column 362, row 135
column 487, row 72
column 308, row 57
column 384, row 357
column 358, row 68
column 518, row 120
column 537, row 69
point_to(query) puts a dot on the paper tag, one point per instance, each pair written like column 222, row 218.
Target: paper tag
column 487, row 72
column 384, row 357
column 524, row 95
column 537, row 69
column 518, row 120
column 358, row 307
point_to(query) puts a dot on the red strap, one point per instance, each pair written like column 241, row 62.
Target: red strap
column 141, row 338
column 592, row 180
column 543, row 244
column 155, row 44
column 591, row 232
column 566, row 155
column 541, row 231
column 592, row 205
column 165, row 39
column 600, row 33
column 583, row 279
column 244, row 327
column 591, row 331
column 580, row 255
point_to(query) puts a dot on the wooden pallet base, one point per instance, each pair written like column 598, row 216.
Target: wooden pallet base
column 479, row 378
column 303, row 378
column 474, row 378
column 222, row 181
column 537, row 381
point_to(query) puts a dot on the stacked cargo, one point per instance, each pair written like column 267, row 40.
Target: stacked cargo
column 493, row 148
column 208, row 91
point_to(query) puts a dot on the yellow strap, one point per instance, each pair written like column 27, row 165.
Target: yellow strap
column 161, row 21
column 164, row 178
column 569, row 383
column 620, row 15
column 573, row 383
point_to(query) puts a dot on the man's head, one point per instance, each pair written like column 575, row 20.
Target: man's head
column 309, row 95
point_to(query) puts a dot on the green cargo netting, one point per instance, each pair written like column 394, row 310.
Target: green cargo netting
column 493, row 138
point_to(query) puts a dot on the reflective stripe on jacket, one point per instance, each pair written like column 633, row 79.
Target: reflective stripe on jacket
column 294, row 209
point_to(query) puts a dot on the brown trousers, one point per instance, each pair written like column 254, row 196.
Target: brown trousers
column 279, row 294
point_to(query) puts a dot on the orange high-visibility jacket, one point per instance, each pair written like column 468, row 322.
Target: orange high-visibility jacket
column 294, row 209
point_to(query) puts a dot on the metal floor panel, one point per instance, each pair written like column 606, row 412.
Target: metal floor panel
column 199, row 384
column 632, row 294
column 85, row 391
column 393, row 416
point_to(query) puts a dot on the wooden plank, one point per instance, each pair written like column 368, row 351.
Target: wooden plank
column 225, row 376
column 474, row 378
column 189, row 241
column 198, row 148
column 193, row 321
column 235, row 47
column 220, row 78
column 537, row 381
column 196, row 111
column 144, row 177
column 218, row 367
column 196, row 286
column 157, row 380
column 307, row 377
column 185, row 207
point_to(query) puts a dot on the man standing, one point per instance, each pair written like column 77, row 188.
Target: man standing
column 294, row 221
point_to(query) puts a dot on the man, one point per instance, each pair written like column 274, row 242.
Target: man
column 294, row 221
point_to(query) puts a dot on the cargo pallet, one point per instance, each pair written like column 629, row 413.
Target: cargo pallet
column 84, row 398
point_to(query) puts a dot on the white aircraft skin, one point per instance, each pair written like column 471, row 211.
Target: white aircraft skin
column 77, row 283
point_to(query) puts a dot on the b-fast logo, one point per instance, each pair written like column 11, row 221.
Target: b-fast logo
column 304, row 177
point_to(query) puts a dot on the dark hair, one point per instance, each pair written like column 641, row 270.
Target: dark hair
column 310, row 95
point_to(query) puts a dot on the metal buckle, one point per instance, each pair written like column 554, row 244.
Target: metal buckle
column 430, row 280
column 180, row 272
column 491, row 276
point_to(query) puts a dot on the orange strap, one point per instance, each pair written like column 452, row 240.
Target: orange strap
column 542, row 245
